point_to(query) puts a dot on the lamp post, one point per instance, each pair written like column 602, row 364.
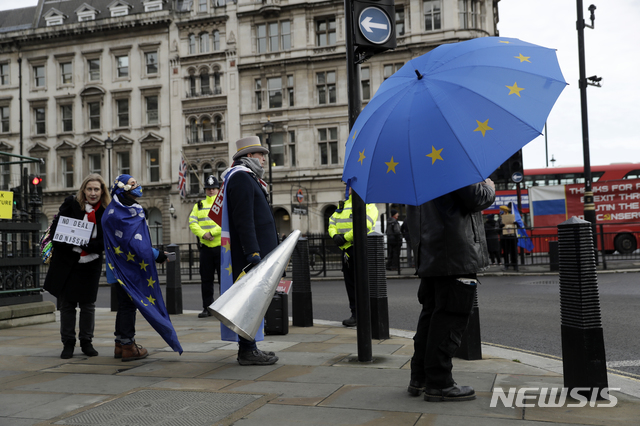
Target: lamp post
column 267, row 129
column 108, row 143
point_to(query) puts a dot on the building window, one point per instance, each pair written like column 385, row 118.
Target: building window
column 152, row 109
column 95, row 163
column 194, row 183
column 204, row 42
column 274, row 87
column 328, row 141
column 389, row 69
column 216, row 83
column 94, row 69
column 258, row 91
column 4, row 74
column 41, row 125
column 276, row 156
column 122, row 106
column 326, row 32
column 5, row 119
column 67, row 118
column 5, row 174
column 122, row 160
column 67, row 171
column 261, row 37
column 432, row 15
column 469, row 14
column 285, row 35
column 38, row 75
column 207, row 130
column 153, row 165
column 290, row 93
column 205, row 87
column 292, row 148
column 218, row 129
column 366, row 83
column 66, row 72
column 192, row 85
column 202, row 6
column 94, row 115
column 216, row 40
column 326, row 87
column 151, row 59
column 399, row 21
column 123, row 66
column 192, row 44
column 273, row 36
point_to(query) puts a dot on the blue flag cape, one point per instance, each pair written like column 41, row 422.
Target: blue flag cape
column 523, row 238
column 129, row 256
column 226, row 272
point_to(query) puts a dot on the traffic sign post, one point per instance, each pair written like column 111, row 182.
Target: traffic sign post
column 374, row 24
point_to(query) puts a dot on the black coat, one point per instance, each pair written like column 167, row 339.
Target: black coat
column 252, row 227
column 66, row 278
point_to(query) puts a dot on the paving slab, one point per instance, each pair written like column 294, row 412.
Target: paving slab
column 90, row 384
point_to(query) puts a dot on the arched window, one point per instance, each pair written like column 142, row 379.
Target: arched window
column 192, row 44
column 220, row 167
column 207, row 170
column 216, row 40
column 205, row 88
column 155, row 226
column 192, row 85
column 207, row 132
column 194, row 183
column 218, row 129
column 204, row 42
column 216, row 83
column 193, row 131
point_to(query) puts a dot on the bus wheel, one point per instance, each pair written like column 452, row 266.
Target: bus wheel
column 625, row 243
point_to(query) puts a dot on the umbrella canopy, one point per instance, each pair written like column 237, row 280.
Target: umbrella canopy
column 449, row 118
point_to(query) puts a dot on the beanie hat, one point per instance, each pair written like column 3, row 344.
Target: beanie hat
column 121, row 185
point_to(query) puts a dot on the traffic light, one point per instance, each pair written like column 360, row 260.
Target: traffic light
column 505, row 173
column 17, row 198
column 34, row 183
column 375, row 26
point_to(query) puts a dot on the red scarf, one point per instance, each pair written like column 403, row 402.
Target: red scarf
column 91, row 217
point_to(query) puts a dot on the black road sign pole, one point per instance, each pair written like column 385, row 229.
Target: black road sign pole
column 363, row 310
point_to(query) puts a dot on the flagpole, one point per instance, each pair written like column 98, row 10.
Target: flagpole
column 189, row 163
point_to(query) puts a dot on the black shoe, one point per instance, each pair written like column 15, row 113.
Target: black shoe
column 204, row 314
column 67, row 351
column 87, row 348
column 453, row 393
column 350, row 322
column 415, row 388
column 256, row 357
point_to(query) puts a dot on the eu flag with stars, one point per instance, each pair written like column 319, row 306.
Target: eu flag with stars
column 523, row 238
column 130, row 257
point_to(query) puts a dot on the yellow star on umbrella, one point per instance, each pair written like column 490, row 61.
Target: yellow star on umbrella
column 151, row 299
column 505, row 41
column 391, row 165
column 130, row 256
column 435, row 154
column 362, row 157
column 229, row 269
column 150, row 281
column 227, row 246
column 143, row 265
column 523, row 58
column 118, row 251
column 483, row 127
column 515, row 89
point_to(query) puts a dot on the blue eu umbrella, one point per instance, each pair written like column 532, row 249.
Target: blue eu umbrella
column 450, row 118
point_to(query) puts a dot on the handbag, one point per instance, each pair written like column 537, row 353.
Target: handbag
column 46, row 244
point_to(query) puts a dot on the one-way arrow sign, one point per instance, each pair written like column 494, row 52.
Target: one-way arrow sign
column 367, row 25
column 374, row 25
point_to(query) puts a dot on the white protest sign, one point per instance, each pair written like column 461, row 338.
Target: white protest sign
column 73, row 231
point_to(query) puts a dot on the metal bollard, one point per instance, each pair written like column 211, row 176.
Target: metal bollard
column 471, row 344
column 174, row 282
column 584, row 362
column 301, row 303
column 377, row 286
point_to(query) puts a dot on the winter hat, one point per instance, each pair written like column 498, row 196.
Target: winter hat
column 120, row 185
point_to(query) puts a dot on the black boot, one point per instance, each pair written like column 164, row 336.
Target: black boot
column 67, row 351
column 87, row 348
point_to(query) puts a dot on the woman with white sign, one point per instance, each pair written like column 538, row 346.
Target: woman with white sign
column 76, row 264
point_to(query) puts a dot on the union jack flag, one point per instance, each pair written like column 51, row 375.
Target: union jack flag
column 182, row 178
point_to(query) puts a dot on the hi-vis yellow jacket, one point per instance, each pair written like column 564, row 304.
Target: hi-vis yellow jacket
column 341, row 222
column 200, row 223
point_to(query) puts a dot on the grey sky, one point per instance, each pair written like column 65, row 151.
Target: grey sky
column 610, row 53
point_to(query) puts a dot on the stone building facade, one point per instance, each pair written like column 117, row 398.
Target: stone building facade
column 166, row 80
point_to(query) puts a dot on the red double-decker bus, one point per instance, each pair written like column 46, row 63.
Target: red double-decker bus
column 617, row 201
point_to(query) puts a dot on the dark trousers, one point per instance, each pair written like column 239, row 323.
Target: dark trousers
column 209, row 265
column 446, row 307
column 125, row 318
column 68, row 321
column 349, row 272
column 393, row 261
column 510, row 251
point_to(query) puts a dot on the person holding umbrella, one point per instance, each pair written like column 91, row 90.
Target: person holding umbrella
column 450, row 249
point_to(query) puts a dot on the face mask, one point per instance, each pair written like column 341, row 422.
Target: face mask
column 137, row 191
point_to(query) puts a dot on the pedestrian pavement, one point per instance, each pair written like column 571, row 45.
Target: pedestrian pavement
column 318, row 380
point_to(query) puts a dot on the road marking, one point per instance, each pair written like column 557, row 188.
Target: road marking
column 633, row 363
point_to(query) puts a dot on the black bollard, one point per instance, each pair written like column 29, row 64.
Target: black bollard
column 584, row 362
column 471, row 344
column 301, row 303
column 377, row 286
column 174, row 282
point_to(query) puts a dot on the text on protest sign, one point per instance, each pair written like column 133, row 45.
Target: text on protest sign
column 73, row 231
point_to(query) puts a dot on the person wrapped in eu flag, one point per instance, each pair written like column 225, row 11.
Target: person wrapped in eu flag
column 131, row 264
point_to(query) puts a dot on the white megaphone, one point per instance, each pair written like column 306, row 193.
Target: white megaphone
column 243, row 306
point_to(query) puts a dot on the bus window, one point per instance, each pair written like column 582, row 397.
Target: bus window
column 596, row 176
column 633, row 174
column 553, row 181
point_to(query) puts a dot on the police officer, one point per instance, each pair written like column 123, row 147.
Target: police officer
column 341, row 231
column 208, row 233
